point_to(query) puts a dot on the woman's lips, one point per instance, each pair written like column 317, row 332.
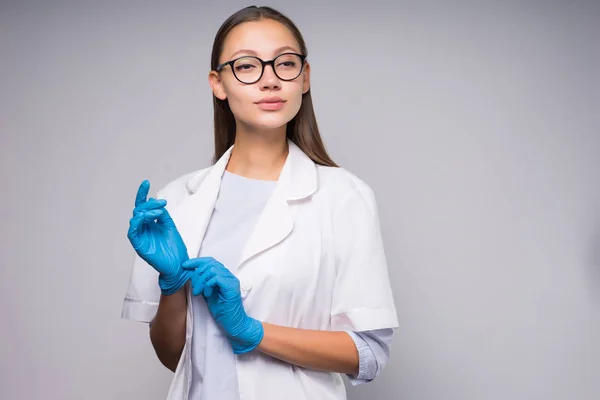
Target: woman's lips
column 271, row 105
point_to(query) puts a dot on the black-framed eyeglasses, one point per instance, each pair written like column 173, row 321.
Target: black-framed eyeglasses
column 249, row 69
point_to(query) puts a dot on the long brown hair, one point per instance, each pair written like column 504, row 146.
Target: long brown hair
column 302, row 129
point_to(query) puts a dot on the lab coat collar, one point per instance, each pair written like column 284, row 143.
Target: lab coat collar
column 298, row 178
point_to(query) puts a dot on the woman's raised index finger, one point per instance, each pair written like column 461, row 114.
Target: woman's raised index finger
column 142, row 193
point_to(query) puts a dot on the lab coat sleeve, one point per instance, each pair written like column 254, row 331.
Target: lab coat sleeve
column 362, row 295
column 143, row 293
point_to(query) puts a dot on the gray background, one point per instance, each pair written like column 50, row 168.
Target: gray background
column 475, row 123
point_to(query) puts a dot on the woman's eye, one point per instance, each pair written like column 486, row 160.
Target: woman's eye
column 287, row 64
column 244, row 67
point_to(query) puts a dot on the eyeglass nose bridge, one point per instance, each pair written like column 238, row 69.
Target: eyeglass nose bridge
column 264, row 64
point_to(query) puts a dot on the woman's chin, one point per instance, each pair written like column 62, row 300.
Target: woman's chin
column 271, row 122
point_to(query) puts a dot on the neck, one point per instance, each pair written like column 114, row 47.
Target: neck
column 258, row 155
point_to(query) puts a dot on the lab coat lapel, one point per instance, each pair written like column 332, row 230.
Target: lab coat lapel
column 297, row 180
column 193, row 215
column 274, row 224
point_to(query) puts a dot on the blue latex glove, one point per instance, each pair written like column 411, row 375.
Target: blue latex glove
column 155, row 238
column 221, row 290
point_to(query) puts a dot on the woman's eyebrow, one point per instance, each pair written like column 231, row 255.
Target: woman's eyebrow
column 253, row 53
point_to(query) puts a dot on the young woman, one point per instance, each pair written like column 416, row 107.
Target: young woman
column 263, row 277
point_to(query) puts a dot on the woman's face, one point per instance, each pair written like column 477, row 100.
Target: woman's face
column 270, row 103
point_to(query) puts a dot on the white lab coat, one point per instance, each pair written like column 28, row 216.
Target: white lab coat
column 315, row 260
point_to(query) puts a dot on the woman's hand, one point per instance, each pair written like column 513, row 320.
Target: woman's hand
column 221, row 290
column 155, row 238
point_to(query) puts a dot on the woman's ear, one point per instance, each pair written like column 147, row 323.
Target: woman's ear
column 214, row 80
column 306, row 78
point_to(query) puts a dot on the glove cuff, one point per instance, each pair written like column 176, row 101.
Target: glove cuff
column 251, row 339
column 171, row 284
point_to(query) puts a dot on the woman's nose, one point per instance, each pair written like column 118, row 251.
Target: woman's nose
column 269, row 80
